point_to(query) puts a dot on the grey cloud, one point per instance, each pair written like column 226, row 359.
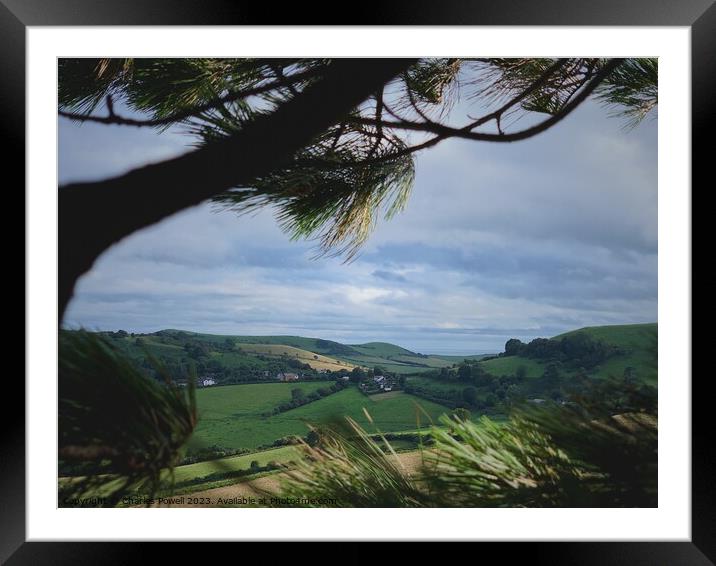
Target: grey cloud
column 497, row 241
column 389, row 276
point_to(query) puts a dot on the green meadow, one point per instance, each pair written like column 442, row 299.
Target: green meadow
column 639, row 345
column 231, row 416
column 239, row 417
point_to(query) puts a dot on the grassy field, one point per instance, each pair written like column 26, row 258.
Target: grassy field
column 402, row 368
column 457, row 359
column 231, row 416
column 281, row 455
column 436, row 384
column 429, row 361
column 637, row 349
column 324, row 347
column 388, row 356
column 256, row 352
column 378, row 397
column 638, row 343
column 410, row 461
column 137, row 348
column 628, row 335
column 249, row 399
column 450, row 390
column 154, row 345
column 510, row 364
column 238, row 359
column 381, row 349
column 397, row 362
column 316, row 361
column 194, row 473
column 390, row 415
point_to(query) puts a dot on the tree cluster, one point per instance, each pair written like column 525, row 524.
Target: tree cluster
column 578, row 349
column 299, row 398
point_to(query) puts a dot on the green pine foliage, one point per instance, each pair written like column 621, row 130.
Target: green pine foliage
column 117, row 428
column 334, row 189
column 348, row 468
column 554, row 456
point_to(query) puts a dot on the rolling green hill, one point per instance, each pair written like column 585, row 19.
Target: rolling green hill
column 382, row 350
column 634, row 335
column 282, row 455
column 636, row 345
column 253, row 416
column 255, row 354
column 639, row 345
column 618, row 347
column 509, row 366
column 316, row 361
column 388, row 356
column 260, row 357
column 457, row 359
column 393, row 358
column 316, row 345
column 232, row 416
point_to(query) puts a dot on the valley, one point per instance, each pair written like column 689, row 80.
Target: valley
column 250, row 422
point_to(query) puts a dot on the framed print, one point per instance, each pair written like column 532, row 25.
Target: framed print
column 231, row 327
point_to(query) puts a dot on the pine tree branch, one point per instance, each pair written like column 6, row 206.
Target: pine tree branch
column 95, row 215
column 193, row 112
column 443, row 132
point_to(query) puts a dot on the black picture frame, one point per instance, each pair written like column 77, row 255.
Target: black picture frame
column 17, row 15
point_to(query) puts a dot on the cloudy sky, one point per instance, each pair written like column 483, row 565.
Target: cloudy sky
column 497, row 241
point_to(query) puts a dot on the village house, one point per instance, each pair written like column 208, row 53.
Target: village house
column 287, row 376
column 383, row 383
column 207, row 381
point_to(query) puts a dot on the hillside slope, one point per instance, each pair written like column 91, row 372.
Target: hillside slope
column 316, row 361
column 388, row 356
column 239, row 358
column 637, row 344
column 234, row 416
